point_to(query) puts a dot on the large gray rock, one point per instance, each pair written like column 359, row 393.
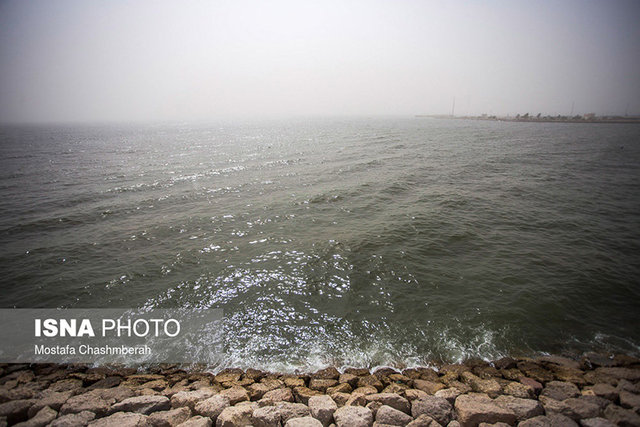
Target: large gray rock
column 52, row 399
column 212, row 406
column 40, row 419
column 74, row 420
column 353, row 416
column 473, row 409
column 596, row 422
column 523, row 408
column 197, row 421
column 122, row 419
column 390, row 399
column 142, row 404
column 425, row 420
column 621, row 416
column 267, row 416
column 289, row 410
column 548, row 421
column 235, row 416
column 16, row 411
column 170, row 418
column 86, row 402
column 388, row 415
column 322, row 408
column 560, row 390
column 437, row 408
column 303, row 422
column 190, row 398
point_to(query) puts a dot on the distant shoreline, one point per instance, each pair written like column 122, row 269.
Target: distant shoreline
column 545, row 119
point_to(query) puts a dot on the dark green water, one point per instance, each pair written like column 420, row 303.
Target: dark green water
column 354, row 241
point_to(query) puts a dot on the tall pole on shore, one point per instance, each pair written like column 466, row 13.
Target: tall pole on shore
column 453, row 107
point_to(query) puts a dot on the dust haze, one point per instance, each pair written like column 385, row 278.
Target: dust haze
column 74, row 61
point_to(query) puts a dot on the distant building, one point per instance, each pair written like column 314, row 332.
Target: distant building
column 589, row 116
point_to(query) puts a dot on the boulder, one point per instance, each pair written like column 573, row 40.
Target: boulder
column 74, row 420
column 122, row 419
column 16, row 411
column 473, row 409
column 437, row 408
column 322, row 384
column 425, row 420
column 302, row 394
column 449, row 393
column 596, row 422
column 413, row 394
column 621, row 416
column 292, row 382
column 190, row 398
column 235, row 394
column 234, row 416
column 429, row 387
column 518, row 390
column 267, row 416
column 170, row 418
column 350, row 379
column 340, row 388
column 212, row 406
column 606, row 391
column 523, row 408
column 388, row 415
column 390, row 399
column 197, row 421
column 279, row 395
column 322, row 408
column 629, row 400
column 303, row 422
column 142, row 404
column 42, row 418
column 353, row 416
column 289, row 410
column 329, row 373
column 86, row 402
column 52, row 399
column 620, row 373
column 370, row 381
column 560, row 390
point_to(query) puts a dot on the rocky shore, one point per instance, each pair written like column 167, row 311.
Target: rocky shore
column 594, row 390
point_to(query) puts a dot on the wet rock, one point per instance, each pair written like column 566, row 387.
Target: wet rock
column 533, row 384
column 212, row 406
column 473, row 409
column 621, row 416
column 559, row 390
column 523, row 408
column 257, row 390
column 170, row 418
column 254, row 374
column 606, row 391
column 397, row 388
column 107, row 382
column 302, row 394
column 620, row 373
column 42, row 418
column 329, row 373
column 350, row 379
column 229, row 375
column 437, row 408
column 426, row 421
column 268, row 416
column 535, row 371
column 490, row 387
column 322, row 408
column 629, row 400
column 388, row 415
column 370, row 381
column 280, row 395
column 122, row 419
column 196, row 421
column 340, row 388
column 86, row 402
column 234, row 416
column 74, row 420
column 511, row 374
column 142, row 404
column 292, row 410
column 596, row 422
column 390, row 399
column 190, row 398
column 506, row 363
column 322, row 384
column 303, row 422
column 518, row 390
column 399, row 378
column 358, row 372
column 429, row 387
column 292, row 382
column 353, row 416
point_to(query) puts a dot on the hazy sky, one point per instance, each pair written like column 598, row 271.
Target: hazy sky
column 180, row 60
